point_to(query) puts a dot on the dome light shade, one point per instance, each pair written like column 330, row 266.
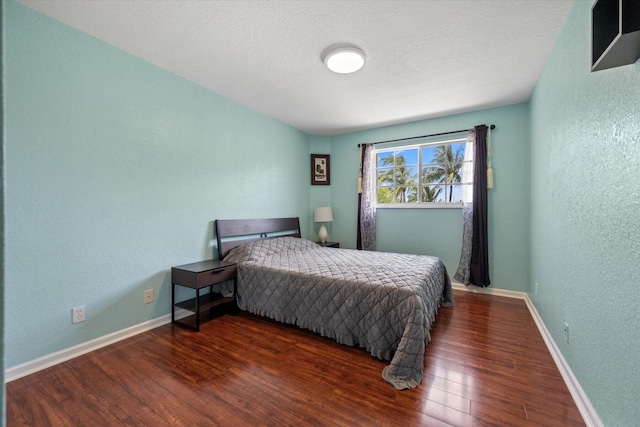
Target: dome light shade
column 344, row 60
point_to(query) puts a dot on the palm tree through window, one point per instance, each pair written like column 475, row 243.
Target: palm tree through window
column 422, row 174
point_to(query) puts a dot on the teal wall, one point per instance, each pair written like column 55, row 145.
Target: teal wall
column 439, row 231
column 115, row 170
column 585, row 209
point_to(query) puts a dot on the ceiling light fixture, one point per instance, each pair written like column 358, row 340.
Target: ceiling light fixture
column 344, row 60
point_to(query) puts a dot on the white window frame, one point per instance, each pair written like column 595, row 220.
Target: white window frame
column 420, row 166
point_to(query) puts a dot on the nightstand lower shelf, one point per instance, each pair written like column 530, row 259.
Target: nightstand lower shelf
column 207, row 304
column 207, row 301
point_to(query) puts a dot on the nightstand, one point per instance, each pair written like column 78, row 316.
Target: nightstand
column 329, row 244
column 197, row 276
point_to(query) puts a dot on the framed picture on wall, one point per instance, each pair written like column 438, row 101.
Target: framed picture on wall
column 320, row 169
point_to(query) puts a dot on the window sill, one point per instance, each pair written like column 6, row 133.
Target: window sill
column 419, row 206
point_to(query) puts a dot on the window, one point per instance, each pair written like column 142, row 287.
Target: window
column 425, row 175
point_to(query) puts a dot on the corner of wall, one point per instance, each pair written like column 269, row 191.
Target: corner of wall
column 2, row 390
column 319, row 195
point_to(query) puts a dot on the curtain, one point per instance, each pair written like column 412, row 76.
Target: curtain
column 479, row 266
column 366, row 234
column 463, row 272
column 475, row 271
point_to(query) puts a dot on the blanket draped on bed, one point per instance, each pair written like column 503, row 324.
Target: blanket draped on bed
column 384, row 302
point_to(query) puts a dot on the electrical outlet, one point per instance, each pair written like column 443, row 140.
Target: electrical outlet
column 77, row 315
column 566, row 332
column 536, row 289
column 148, row 296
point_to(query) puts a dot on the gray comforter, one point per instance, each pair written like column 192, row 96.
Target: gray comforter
column 384, row 302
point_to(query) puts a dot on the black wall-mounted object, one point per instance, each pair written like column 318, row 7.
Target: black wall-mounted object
column 615, row 33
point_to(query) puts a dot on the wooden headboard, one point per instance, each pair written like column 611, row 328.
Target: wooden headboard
column 234, row 232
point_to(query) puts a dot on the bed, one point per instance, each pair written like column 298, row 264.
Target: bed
column 383, row 302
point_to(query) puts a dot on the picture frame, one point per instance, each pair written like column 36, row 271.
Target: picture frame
column 320, row 171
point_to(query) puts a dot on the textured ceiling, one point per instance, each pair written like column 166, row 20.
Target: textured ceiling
column 425, row 58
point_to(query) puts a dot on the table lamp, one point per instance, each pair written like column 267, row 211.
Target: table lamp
column 323, row 214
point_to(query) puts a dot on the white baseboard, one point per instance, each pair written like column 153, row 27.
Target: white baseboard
column 489, row 291
column 51, row 359
column 587, row 410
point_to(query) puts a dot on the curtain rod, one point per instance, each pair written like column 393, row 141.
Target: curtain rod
column 421, row 136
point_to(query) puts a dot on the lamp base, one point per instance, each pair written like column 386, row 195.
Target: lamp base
column 322, row 234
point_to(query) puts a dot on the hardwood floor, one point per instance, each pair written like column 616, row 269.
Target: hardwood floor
column 486, row 365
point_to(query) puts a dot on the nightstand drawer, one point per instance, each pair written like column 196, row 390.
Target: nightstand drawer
column 218, row 275
column 204, row 273
column 329, row 244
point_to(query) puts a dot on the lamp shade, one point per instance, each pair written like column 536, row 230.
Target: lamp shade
column 323, row 214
